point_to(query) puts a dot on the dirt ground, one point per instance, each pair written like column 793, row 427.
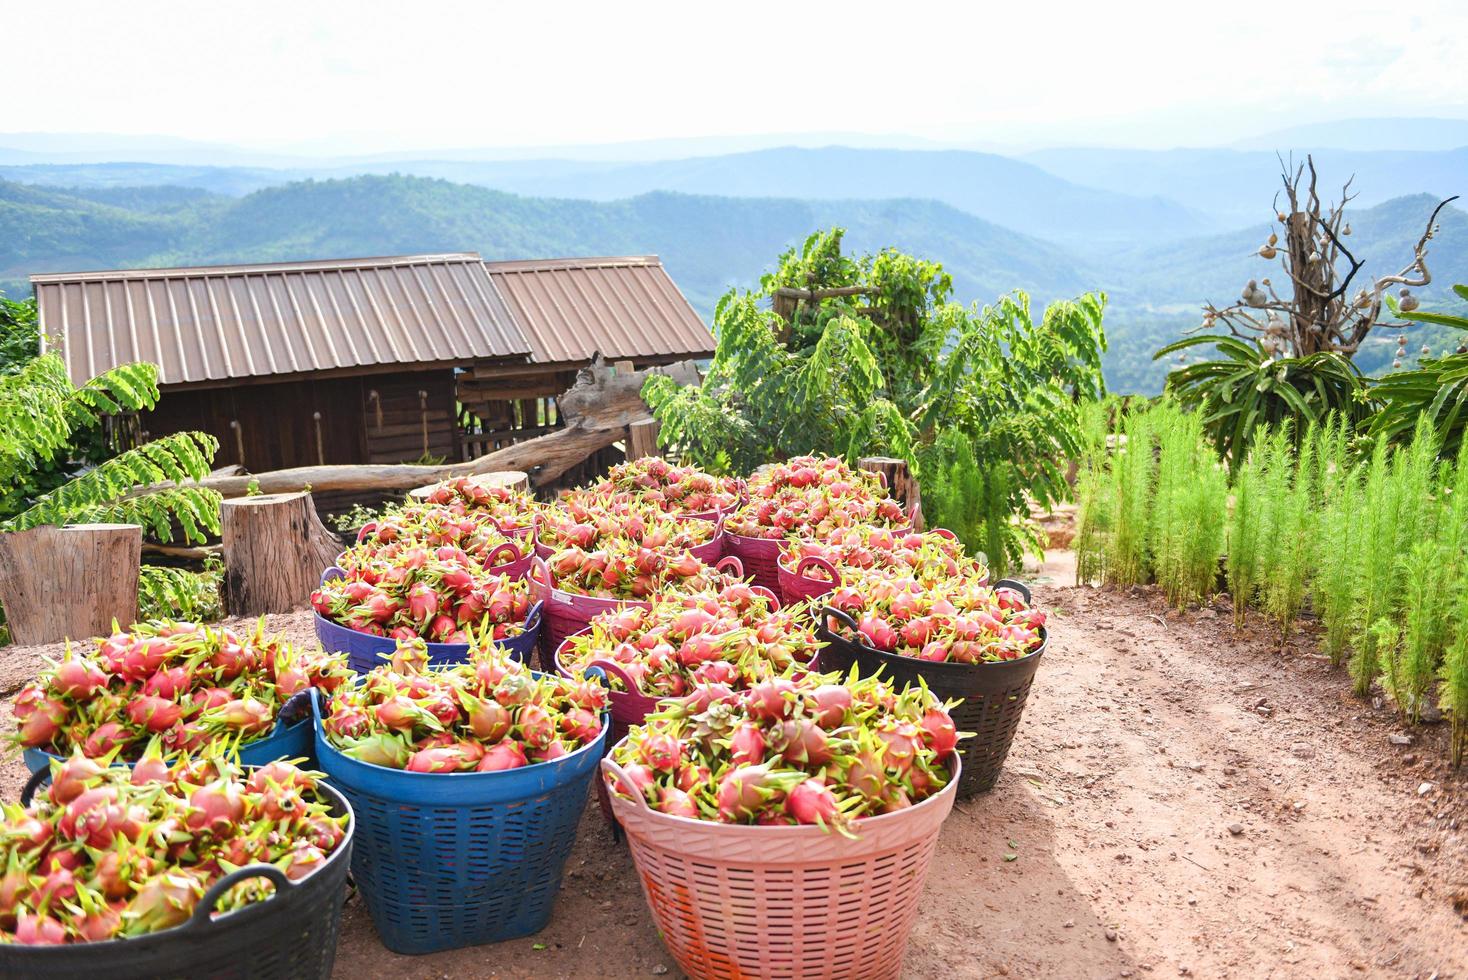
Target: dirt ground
column 1179, row 801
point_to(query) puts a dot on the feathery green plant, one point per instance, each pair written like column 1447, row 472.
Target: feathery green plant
column 1188, row 508
column 1427, row 582
column 1244, row 537
column 1291, row 528
column 1375, row 563
column 1454, row 673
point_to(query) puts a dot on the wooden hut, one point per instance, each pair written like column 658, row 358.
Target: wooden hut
column 378, row 360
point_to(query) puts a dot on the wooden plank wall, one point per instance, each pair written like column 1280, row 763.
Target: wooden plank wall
column 396, row 409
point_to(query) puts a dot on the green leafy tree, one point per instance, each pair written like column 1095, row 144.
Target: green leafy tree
column 869, row 355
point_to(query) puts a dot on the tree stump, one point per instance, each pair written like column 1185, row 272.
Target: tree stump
column 900, row 482
column 69, row 582
column 509, row 479
column 275, row 548
column 642, row 439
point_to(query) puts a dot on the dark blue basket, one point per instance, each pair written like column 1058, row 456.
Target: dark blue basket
column 291, row 738
column 445, row 860
column 365, row 651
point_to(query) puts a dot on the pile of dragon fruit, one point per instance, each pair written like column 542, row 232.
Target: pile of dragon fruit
column 956, row 621
column 709, row 645
column 442, row 596
column 624, row 569
column 475, row 533
column 681, row 490
column 185, row 684
column 590, row 521
column 812, row 497
column 490, row 713
column 815, row 749
column 510, row 509
column 930, row 556
column 107, row 852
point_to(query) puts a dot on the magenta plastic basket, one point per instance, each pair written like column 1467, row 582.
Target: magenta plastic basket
column 760, row 557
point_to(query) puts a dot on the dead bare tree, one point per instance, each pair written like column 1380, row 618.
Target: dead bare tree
column 1318, row 314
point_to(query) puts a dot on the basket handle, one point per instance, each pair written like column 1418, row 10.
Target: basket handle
column 845, row 619
column 205, row 908
column 620, row 775
column 818, row 562
column 613, row 668
column 943, row 532
column 537, row 564
column 38, row 779
column 1009, row 583
column 515, row 555
column 769, row 596
column 332, row 572
column 532, row 618
column 365, row 530
column 730, row 562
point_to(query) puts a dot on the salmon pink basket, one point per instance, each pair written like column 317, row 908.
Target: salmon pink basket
column 785, row 903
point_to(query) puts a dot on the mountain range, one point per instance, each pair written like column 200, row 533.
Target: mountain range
column 1160, row 231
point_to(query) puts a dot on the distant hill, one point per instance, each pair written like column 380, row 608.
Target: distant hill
column 1235, row 187
column 708, row 243
column 997, row 189
column 1424, row 133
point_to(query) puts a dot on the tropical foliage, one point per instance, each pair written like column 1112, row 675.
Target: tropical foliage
column 1437, row 390
column 871, row 356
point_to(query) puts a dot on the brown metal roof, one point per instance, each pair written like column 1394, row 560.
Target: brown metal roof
column 625, row 307
column 219, row 322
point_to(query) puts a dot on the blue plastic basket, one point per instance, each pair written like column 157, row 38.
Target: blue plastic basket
column 445, row 860
column 365, row 651
column 290, row 739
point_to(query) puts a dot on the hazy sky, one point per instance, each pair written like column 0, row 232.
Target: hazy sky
column 365, row 76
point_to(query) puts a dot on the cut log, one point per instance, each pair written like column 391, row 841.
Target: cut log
column 900, row 482
column 510, row 480
column 597, row 410
column 275, row 548
column 69, row 582
column 642, row 439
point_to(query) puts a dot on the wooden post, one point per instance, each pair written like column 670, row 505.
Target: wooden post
column 900, row 482
column 642, row 439
column 72, row 581
column 509, row 479
column 275, row 548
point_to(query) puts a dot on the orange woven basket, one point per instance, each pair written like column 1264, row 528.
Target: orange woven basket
column 788, row 903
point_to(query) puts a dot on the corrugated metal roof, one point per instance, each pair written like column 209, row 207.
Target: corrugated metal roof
column 625, row 307
column 213, row 323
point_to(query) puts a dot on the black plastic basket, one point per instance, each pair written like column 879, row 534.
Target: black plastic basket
column 993, row 694
column 290, row 935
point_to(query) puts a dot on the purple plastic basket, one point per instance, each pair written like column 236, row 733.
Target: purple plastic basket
column 365, row 651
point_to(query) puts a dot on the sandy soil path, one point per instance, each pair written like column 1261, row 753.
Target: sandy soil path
column 1179, row 801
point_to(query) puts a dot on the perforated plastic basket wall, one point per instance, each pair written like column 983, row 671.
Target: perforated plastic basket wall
column 760, row 557
column 784, row 903
column 291, row 936
column 458, row 859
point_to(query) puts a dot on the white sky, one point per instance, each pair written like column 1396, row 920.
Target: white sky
column 365, row 75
